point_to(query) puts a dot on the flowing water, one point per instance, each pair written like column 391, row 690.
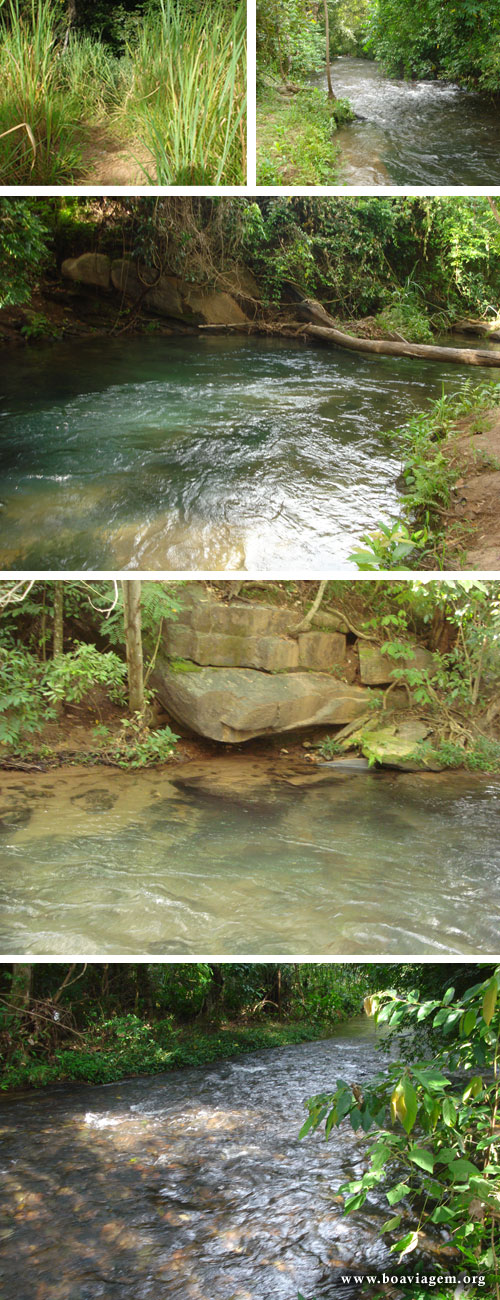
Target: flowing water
column 203, row 454
column 242, row 857
column 413, row 132
column 191, row 1184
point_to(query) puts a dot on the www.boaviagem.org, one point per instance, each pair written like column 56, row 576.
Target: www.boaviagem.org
column 413, row 1279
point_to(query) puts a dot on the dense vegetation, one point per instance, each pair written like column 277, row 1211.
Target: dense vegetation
column 460, row 42
column 428, row 39
column 432, row 1123
column 114, row 1020
column 426, row 1124
column 160, row 84
column 420, row 261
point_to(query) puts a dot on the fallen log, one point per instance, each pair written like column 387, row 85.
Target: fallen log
column 382, row 347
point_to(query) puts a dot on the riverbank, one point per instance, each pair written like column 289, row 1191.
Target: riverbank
column 296, row 129
column 305, row 673
column 392, row 130
column 127, row 1047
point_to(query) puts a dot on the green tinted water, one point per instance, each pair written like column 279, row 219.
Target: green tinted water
column 204, row 454
column 110, row 862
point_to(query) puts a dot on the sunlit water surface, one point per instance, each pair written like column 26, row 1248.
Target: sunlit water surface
column 414, row 132
column 209, row 453
column 167, row 863
column 191, row 1184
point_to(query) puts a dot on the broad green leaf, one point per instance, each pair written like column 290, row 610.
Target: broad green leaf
column 392, row 1224
column 461, row 1170
column 449, row 1112
column 468, row 1022
column 423, row 1158
column 354, row 1202
column 406, row 1244
column 396, row 1193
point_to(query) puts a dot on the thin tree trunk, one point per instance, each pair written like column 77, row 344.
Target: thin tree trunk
column 307, row 619
column 328, row 68
column 133, row 643
column 20, row 993
column 58, row 634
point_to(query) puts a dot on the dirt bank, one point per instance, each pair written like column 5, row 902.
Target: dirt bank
column 473, row 523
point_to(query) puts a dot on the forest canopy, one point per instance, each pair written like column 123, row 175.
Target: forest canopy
column 428, row 39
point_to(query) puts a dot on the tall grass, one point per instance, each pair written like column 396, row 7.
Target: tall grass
column 179, row 93
column 37, row 141
column 188, row 94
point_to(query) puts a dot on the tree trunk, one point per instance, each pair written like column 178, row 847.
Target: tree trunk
column 20, row 993
column 58, row 635
column 306, row 621
column 386, row 348
column 133, row 643
column 328, row 68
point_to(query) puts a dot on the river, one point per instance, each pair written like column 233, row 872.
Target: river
column 243, row 856
column 191, row 1184
column 200, row 454
column 413, row 132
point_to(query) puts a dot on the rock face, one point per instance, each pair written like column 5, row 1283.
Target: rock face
column 239, row 635
column 236, row 704
column 89, row 268
column 376, row 668
column 175, row 298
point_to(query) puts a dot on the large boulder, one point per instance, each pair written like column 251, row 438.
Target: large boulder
column 376, row 667
column 170, row 296
column 89, row 268
column 236, row 704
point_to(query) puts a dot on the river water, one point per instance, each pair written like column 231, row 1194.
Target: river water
column 414, row 132
column 191, row 1184
column 203, row 454
column 241, row 856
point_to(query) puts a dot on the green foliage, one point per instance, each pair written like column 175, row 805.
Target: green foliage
column 432, row 1123
column 37, row 135
column 178, row 88
column 23, row 249
column 69, row 677
column 289, row 38
column 429, row 475
column 39, row 327
column 405, row 315
column 135, row 746
column 297, row 137
column 30, row 690
column 392, row 545
column 460, row 42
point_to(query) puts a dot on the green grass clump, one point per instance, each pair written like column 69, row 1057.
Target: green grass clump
column 37, row 137
column 187, row 97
